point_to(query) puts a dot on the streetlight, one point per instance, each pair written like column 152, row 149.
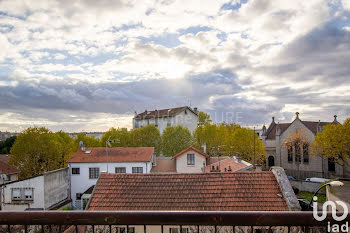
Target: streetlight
column 332, row 183
column 108, row 142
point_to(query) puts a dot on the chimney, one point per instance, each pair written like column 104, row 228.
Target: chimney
column 238, row 157
column 258, row 168
column 195, row 110
column 81, row 145
column 273, row 119
column 204, row 148
column 335, row 119
column 297, row 115
column 278, row 129
column 263, row 130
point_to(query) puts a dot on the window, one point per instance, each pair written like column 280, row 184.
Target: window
column 121, row 230
column 75, row 170
column 137, row 170
column 297, row 153
column 306, row 153
column 8, row 177
column 16, row 194
column 78, row 196
column 94, row 172
column 190, row 159
column 177, row 230
column 290, row 154
column 22, row 194
column 331, row 164
column 120, row 170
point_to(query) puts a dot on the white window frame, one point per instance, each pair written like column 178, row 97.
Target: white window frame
column 137, row 170
column 94, row 172
column 191, row 159
column 75, row 170
column 122, row 168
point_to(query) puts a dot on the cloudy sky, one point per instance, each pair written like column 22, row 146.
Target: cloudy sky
column 89, row 65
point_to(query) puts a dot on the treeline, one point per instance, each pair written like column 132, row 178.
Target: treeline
column 37, row 150
column 5, row 146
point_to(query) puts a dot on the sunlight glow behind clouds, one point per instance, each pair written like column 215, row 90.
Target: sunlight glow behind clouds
column 105, row 59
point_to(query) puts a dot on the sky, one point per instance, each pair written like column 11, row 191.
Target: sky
column 89, row 65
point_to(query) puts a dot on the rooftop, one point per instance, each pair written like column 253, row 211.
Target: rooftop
column 115, row 154
column 240, row 191
column 5, row 168
column 168, row 112
column 228, row 164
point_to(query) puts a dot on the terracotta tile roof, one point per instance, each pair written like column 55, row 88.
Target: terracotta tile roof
column 162, row 113
column 5, row 168
column 4, row 157
column 239, row 191
column 272, row 133
column 115, row 154
column 216, row 159
column 164, row 165
column 230, row 164
column 189, row 149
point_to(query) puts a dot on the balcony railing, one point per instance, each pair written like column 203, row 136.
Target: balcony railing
column 163, row 222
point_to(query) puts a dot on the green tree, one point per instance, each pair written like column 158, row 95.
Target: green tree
column 87, row 140
column 217, row 138
column 203, row 118
column 333, row 142
column 5, row 146
column 66, row 147
column 175, row 139
column 38, row 150
column 147, row 136
column 248, row 144
column 122, row 135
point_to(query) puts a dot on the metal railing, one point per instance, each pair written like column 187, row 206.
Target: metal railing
column 163, row 221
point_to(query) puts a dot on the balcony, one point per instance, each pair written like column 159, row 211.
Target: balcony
column 163, row 222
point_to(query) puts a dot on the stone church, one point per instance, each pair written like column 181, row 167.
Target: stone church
column 296, row 159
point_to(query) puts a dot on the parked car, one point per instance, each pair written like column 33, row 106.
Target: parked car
column 317, row 179
column 291, row 178
column 305, row 205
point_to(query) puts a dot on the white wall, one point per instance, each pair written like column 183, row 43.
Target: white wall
column 189, row 121
column 81, row 182
column 181, row 163
column 37, row 183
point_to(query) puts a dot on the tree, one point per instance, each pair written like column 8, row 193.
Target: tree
column 38, row 150
column 248, row 144
column 227, row 139
column 122, row 135
column 333, row 142
column 147, row 136
column 217, row 138
column 66, row 147
column 203, row 118
column 6, row 145
column 87, row 140
column 175, row 139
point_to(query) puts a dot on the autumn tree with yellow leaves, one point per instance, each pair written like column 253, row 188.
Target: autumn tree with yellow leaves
column 333, row 142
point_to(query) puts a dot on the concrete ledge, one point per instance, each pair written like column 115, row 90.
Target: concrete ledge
column 286, row 188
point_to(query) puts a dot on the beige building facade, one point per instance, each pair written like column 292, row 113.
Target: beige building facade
column 296, row 159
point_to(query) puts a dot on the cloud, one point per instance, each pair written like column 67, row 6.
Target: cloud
column 110, row 58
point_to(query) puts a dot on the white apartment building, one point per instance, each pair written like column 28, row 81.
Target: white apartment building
column 184, row 116
column 86, row 165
